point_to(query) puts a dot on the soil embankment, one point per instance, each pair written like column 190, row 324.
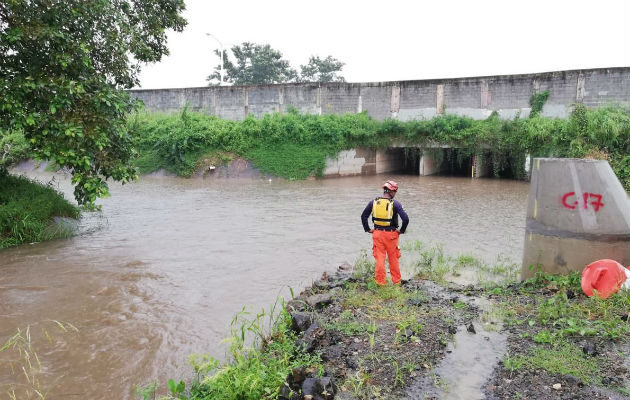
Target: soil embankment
column 540, row 339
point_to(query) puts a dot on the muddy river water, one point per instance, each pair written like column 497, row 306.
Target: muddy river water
column 162, row 271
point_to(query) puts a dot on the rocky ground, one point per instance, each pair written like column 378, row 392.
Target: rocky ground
column 421, row 340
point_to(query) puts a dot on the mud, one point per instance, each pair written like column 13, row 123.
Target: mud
column 425, row 341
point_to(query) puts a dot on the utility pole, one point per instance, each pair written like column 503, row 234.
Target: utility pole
column 221, row 73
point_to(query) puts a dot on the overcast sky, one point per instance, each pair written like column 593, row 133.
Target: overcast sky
column 403, row 40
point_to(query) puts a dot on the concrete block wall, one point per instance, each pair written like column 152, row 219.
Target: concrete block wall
column 390, row 160
column 360, row 161
column 475, row 97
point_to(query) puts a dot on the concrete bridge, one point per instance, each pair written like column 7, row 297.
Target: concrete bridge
column 475, row 97
column 402, row 158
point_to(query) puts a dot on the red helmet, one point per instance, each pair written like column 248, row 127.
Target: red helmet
column 390, row 186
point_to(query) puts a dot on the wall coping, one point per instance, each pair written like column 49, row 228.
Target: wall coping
column 550, row 74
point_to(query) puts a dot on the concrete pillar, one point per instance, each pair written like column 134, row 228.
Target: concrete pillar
column 439, row 106
column 395, row 101
column 578, row 213
column 246, row 101
column 281, row 99
column 428, row 164
column 579, row 95
column 485, row 94
column 319, row 100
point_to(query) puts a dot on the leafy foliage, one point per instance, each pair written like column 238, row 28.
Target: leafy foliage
column 322, row 70
column 537, row 101
column 295, row 146
column 27, row 209
column 255, row 372
column 260, row 64
column 63, row 66
column 13, row 148
column 254, row 64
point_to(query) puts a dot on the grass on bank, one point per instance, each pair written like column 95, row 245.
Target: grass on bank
column 559, row 317
column 27, row 209
column 552, row 306
column 263, row 351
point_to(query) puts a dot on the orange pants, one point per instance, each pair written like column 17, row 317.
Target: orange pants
column 386, row 243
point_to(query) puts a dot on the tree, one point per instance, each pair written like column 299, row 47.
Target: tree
column 254, row 64
column 63, row 67
column 318, row 70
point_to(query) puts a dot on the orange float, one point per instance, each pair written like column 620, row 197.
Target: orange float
column 604, row 278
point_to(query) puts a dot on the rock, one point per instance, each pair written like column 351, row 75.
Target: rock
column 570, row 294
column 340, row 279
column 318, row 388
column 296, row 305
column 297, row 376
column 570, row 379
column 590, row 349
column 321, row 285
column 415, row 302
column 352, row 363
column 345, row 267
column 301, row 321
column 557, row 386
column 285, row 392
column 332, row 353
column 310, row 337
column 407, row 334
column 319, row 300
column 471, row 328
column 452, row 330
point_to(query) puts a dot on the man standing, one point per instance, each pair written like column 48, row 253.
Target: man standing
column 385, row 211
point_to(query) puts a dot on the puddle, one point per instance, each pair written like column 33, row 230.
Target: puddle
column 469, row 361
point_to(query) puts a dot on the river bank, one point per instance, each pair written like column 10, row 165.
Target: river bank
column 33, row 212
column 538, row 339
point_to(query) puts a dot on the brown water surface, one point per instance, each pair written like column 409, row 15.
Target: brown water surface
column 162, row 271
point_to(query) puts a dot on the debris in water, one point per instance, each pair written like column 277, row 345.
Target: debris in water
column 471, row 328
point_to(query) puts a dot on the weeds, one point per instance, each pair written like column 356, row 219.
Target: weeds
column 296, row 146
column 19, row 354
column 257, row 370
column 27, row 209
column 563, row 358
column 431, row 263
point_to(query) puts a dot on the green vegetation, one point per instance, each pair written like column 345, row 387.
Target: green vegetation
column 13, row 148
column 563, row 359
column 557, row 317
column 560, row 317
column 256, row 371
column 258, row 64
column 295, row 146
column 27, row 209
column 65, row 65
column 430, row 262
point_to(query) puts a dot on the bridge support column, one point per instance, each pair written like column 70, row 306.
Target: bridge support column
column 429, row 164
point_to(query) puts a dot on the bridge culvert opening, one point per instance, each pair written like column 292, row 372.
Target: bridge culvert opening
column 400, row 160
column 456, row 162
column 505, row 165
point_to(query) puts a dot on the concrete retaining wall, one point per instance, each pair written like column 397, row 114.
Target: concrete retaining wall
column 475, row 97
